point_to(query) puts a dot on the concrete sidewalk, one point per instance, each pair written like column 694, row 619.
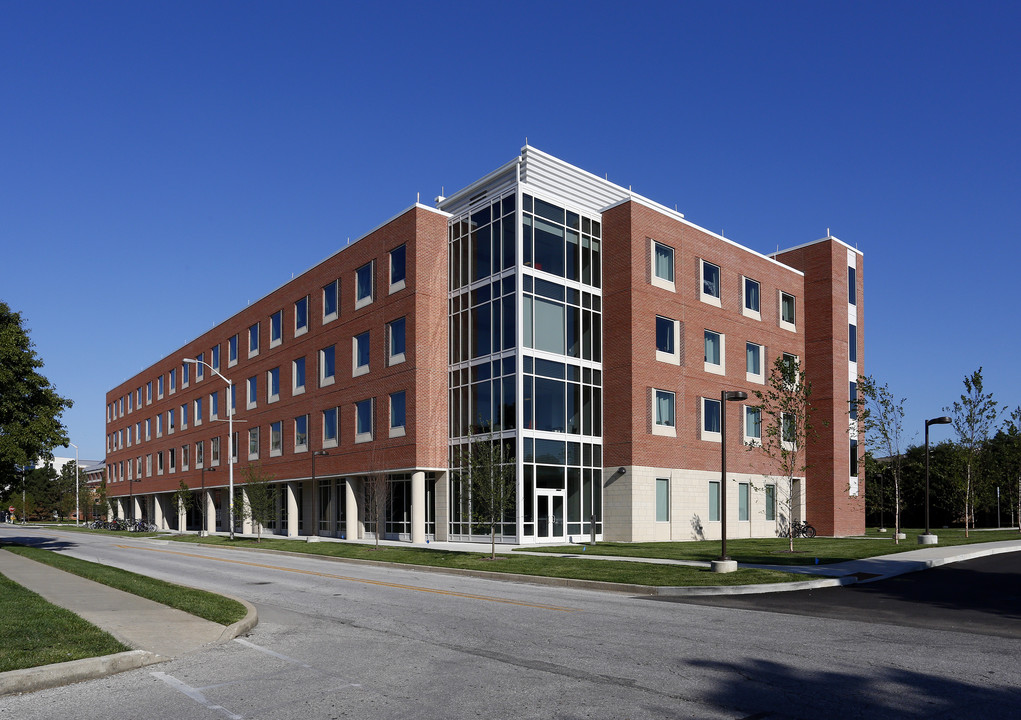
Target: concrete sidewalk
column 155, row 631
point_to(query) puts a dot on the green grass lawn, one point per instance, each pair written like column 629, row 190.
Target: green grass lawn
column 204, row 604
column 34, row 632
column 604, row 571
column 774, row 551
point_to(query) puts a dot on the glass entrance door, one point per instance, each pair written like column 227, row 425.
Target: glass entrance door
column 549, row 515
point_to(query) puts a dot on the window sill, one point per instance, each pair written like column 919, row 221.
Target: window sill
column 664, row 430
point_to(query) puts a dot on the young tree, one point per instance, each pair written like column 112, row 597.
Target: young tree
column 785, row 411
column 30, row 408
column 881, row 424
column 973, row 418
column 184, row 499
column 64, row 490
column 377, row 500
column 262, row 497
column 489, row 468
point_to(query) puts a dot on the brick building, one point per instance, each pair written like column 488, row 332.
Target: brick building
column 590, row 329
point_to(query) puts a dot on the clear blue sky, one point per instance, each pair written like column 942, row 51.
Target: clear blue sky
column 163, row 164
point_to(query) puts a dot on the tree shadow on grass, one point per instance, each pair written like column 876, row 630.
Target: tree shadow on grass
column 769, row 689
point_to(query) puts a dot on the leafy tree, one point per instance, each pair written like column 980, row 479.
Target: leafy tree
column 377, row 500
column 881, row 423
column 973, row 417
column 1005, row 449
column 64, row 487
column 30, row 408
column 262, row 497
column 489, row 468
column 786, row 427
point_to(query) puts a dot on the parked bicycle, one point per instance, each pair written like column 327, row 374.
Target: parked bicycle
column 803, row 529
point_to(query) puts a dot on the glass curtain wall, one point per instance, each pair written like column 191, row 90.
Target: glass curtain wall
column 555, row 436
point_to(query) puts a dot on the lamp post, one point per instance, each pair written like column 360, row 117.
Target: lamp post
column 230, row 436
column 928, row 538
column 77, row 510
column 725, row 564
column 202, row 530
column 314, row 531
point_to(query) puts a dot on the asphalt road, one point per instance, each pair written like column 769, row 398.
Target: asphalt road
column 340, row 640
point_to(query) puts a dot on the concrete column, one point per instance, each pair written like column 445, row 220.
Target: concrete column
column 352, row 509
column 137, row 501
column 443, row 507
column 246, row 526
column 291, row 509
column 117, row 508
column 418, row 507
column 182, row 518
column 157, row 514
column 210, row 505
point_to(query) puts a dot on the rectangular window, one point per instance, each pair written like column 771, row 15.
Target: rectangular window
column 232, row 351
column 665, row 339
column 159, row 425
column 710, row 283
column 184, row 416
column 253, row 392
column 171, row 413
column 214, row 357
column 200, row 369
column 397, row 413
column 253, row 443
column 172, row 459
column 852, row 286
column 301, row 433
column 662, row 500
column 360, row 354
column 273, row 385
column 363, row 285
column 331, row 301
column 743, row 501
column 200, row 454
column 173, row 386
column 752, row 425
column 753, row 363
column 185, row 374
column 185, row 457
column 148, row 428
column 397, row 268
column 771, row 502
column 148, row 465
column 852, row 398
column 214, row 451
column 148, row 395
column 662, row 266
column 301, row 316
column 854, row 457
column 253, row 340
column 665, row 419
column 396, row 339
column 330, row 433
column 214, row 405
column 276, row 438
column 787, row 311
column 789, row 428
column 714, row 352
column 198, row 411
column 714, row 501
column 751, row 298
column 276, row 328
column 234, row 443
column 363, row 420
column 159, row 387
column 159, row 463
column 327, row 365
column 852, row 343
column 298, row 376
column 710, row 419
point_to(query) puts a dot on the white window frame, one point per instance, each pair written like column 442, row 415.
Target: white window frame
column 327, row 380
column 278, row 428
column 253, row 434
column 716, row 369
column 705, row 297
column 332, row 442
column 333, row 287
column 272, row 397
column 760, row 377
column 252, row 392
column 662, row 428
column 365, row 436
column 253, row 334
column 357, row 369
column 200, row 454
column 232, row 350
column 276, row 325
column 299, row 331
column 784, row 324
column 402, row 283
column 301, row 447
column 214, row 356
column 745, row 310
column 709, row 435
column 673, row 358
column 392, row 358
column 665, row 481
column 214, row 402
column 751, row 439
column 197, row 419
column 655, row 279
column 184, row 416
column 367, row 300
column 297, row 389
column 398, row 430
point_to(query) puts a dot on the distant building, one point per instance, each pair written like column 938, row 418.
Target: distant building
column 589, row 328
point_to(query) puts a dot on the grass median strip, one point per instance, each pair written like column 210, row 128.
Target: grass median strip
column 35, row 632
column 207, row 605
column 577, row 569
column 774, row 551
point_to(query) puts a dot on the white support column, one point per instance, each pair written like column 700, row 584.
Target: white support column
column 157, row 515
column 352, row 525
column 418, row 507
column 443, row 507
column 210, row 502
column 182, row 518
column 246, row 526
column 291, row 509
column 138, row 507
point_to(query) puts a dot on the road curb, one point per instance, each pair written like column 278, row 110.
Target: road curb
column 73, row 671
column 243, row 626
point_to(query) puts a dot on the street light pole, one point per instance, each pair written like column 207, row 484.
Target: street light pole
column 230, row 436
column 314, row 530
column 77, row 509
column 725, row 564
column 928, row 538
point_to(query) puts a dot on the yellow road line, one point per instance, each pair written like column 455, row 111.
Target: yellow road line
column 365, row 581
